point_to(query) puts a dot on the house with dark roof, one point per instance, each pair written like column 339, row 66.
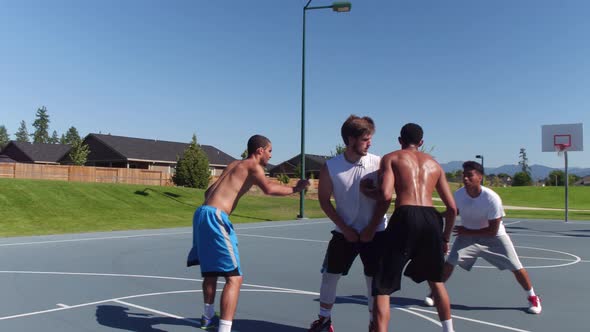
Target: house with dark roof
column 130, row 152
column 313, row 164
column 6, row 159
column 36, row 153
column 584, row 181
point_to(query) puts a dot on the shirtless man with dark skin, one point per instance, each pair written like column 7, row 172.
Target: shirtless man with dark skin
column 415, row 231
column 214, row 240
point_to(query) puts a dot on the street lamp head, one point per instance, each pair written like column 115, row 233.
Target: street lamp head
column 341, row 6
column 479, row 156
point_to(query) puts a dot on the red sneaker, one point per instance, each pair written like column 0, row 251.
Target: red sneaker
column 534, row 304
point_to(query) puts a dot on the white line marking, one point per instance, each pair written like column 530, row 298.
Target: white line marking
column 151, row 235
column 473, row 320
column 576, row 259
column 551, row 236
column 265, row 289
column 61, row 305
column 92, row 239
column 158, row 312
column 281, row 238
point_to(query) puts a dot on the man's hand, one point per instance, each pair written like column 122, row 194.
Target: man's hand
column 459, row 230
column 445, row 247
column 301, row 185
column 350, row 234
column 368, row 234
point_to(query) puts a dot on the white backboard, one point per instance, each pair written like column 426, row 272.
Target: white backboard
column 562, row 133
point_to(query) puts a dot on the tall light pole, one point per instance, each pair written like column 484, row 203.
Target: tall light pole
column 480, row 156
column 339, row 7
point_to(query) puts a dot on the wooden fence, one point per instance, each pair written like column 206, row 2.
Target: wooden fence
column 84, row 174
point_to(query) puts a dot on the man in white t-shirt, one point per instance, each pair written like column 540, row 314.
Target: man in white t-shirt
column 482, row 234
column 341, row 178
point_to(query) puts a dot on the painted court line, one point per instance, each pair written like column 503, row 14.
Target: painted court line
column 158, row 312
column 264, row 289
column 473, row 320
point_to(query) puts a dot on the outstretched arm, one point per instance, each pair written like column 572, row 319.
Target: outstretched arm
column 275, row 189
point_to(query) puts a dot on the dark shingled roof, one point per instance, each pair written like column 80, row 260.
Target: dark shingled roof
column 156, row 150
column 6, row 159
column 312, row 163
column 41, row 152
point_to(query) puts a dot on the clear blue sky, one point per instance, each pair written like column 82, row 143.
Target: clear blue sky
column 481, row 77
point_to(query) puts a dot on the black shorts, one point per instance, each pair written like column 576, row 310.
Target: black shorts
column 341, row 254
column 414, row 234
column 231, row 273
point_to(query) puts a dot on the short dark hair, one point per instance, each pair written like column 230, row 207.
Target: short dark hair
column 356, row 127
column 473, row 165
column 255, row 142
column 411, row 133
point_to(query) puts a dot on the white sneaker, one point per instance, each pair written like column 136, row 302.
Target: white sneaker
column 534, row 305
column 429, row 301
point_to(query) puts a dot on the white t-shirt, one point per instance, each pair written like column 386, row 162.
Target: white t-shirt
column 475, row 213
column 355, row 209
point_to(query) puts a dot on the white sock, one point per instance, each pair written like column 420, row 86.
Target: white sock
column 209, row 311
column 447, row 325
column 224, row 325
column 325, row 312
column 531, row 292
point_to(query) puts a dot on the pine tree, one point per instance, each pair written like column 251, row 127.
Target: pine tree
column 72, row 136
column 192, row 169
column 41, row 124
column 54, row 139
column 4, row 137
column 22, row 134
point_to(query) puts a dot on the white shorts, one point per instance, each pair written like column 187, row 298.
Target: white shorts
column 498, row 251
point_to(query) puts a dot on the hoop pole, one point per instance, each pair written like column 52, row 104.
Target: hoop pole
column 566, row 185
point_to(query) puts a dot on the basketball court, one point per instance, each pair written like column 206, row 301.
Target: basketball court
column 137, row 281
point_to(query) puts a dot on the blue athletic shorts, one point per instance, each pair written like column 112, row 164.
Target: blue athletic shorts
column 215, row 244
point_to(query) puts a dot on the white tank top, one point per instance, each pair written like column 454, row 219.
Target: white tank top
column 355, row 209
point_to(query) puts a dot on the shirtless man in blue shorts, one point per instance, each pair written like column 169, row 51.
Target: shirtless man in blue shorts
column 415, row 230
column 214, row 240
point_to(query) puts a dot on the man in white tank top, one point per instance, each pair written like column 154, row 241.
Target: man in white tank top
column 341, row 179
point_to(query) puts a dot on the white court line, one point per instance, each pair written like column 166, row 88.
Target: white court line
column 150, row 235
column 120, row 300
column 158, row 312
column 550, row 236
column 92, row 239
column 281, row 238
column 473, row 320
column 61, row 305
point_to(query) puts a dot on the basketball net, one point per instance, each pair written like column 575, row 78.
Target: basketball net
column 561, row 148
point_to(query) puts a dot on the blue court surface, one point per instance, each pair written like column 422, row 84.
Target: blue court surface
column 138, row 281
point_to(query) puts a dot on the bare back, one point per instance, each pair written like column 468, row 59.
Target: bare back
column 415, row 176
column 235, row 180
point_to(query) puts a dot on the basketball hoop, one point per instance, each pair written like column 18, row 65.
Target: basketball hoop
column 561, row 148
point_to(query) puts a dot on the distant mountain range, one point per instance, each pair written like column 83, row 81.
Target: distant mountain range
column 538, row 172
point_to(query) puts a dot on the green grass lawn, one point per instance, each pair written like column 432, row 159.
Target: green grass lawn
column 37, row 207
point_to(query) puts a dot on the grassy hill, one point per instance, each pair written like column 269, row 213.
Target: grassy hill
column 35, row 207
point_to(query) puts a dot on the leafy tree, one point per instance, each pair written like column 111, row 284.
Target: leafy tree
column 79, row 153
column 4, row 137
column 524, row 161
column 62, row 139
column 22, row 134
column 192, row 168
column 522, row 179
column 54, row 139
column 340, row 148
column 41, row 124
column 244, row 154
column 555, row 178
column 72, row 136
column 283, row 178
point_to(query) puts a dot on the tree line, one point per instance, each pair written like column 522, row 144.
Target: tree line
column 78, row 153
